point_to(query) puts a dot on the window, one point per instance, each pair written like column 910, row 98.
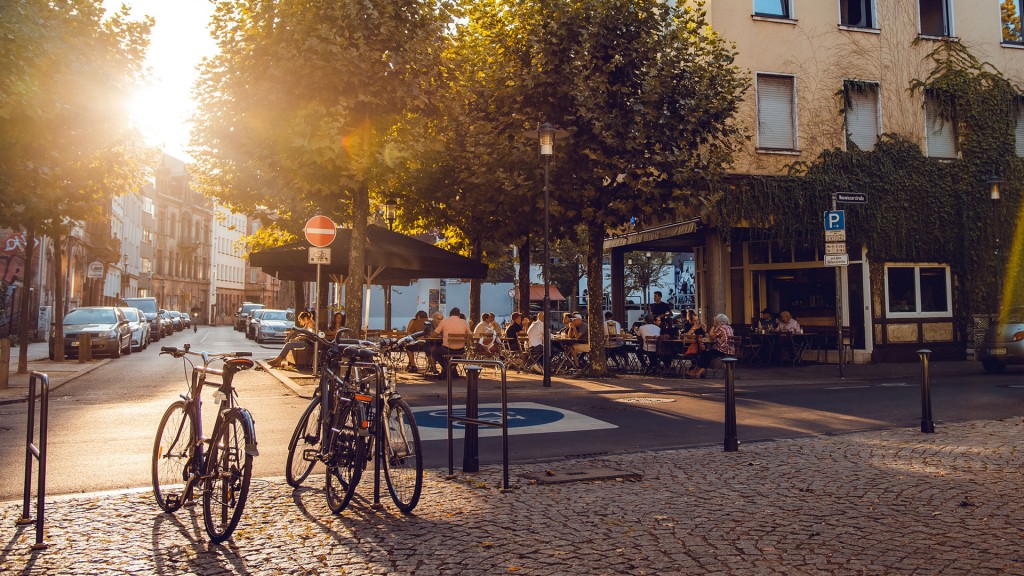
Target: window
column 776, row 112
column 147, row 266
column 940, row 133
column 936, row 19
column 862, row 126
column 147, row 236
column 1010, row 13
column 1019, row 129
column 857, row 13
column 916, row 291
column 772, row 8
column 147, row 205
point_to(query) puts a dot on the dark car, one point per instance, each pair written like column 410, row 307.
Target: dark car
column 186, row 319
column 1004, row 341
column 158, row 324
column 176, row 321
column 109, row 329
column 242, row 315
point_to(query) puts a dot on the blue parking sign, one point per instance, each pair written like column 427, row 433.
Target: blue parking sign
column 835, row 220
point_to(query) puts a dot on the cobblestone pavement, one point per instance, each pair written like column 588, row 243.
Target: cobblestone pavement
column 894, row 502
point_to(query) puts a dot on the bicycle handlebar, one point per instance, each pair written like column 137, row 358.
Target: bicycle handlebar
column 179, row 352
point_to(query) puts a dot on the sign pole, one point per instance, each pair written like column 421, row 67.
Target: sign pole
column 839, row 307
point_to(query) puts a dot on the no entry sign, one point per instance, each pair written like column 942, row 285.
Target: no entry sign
column 320, row 231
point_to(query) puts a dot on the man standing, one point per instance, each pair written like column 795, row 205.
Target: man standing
column 659, row 308
column 453, row 324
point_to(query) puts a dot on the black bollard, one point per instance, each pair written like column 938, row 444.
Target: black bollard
column 732, row 443
column 927, row 425
column 471, row 441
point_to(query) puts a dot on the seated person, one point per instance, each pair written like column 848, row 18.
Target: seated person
column 787, row 324
column 485, row 336
column 512, row 331
column 767, row 321
column 417, row 324
column 578, row 331
column 453, row 324
column 535, row 335
column 296, row 340
column 721, row 346
column 615, row 346
column 649, row 329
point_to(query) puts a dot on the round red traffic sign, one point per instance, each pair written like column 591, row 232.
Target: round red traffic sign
column 320, row 231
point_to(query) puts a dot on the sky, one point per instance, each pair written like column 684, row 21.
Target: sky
column 178, row 41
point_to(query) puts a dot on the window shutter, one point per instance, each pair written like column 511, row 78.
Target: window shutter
column 940, row 132
column 862, row 117
column 775, row 114
column 1019, row 130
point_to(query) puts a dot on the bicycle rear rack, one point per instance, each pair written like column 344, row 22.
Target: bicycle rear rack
column 471, row 459
column 39, row 453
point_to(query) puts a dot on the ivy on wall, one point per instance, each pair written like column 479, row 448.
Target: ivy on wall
column 919, row 209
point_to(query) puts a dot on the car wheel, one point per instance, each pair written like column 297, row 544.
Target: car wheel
column 258, row 339
column 993, row 366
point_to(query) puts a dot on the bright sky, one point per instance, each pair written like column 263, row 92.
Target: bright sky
column 178, row 41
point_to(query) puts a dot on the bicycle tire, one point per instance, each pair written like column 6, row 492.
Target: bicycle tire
column 226, row 479
column 346, row 459
column 173, row 451
column 403, row 459
column 306, row 437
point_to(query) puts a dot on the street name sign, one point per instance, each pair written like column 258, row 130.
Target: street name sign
column 837, row 260
column 851, row 197
column 320, row 231
column 835, row 235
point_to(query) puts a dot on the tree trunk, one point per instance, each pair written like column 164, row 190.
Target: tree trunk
column 26, row 301
column 357, row 259
column 595, row 307
column 524, row 277
column 474, row 288
column 58, row 299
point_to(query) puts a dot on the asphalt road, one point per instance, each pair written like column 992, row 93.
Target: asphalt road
column 103, row 423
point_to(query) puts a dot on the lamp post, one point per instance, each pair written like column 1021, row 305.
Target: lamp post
column 994, row 195
column 125, row 280
column 390, row 214
column 546, row 134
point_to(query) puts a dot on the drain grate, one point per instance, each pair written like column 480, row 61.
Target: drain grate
column 644, row 400
column 582, row 475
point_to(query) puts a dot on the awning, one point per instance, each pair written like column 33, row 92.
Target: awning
column 537, row 293
column 678, row 237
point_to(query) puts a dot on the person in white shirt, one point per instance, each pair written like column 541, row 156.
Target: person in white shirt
column 787, row 323
column 535, row 334
column 649, row 329
column 485, row 336
column 453, row 324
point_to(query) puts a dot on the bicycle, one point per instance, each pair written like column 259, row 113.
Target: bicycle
column 222, row 464
column 354, row 422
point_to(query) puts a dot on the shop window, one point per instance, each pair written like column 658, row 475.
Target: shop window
column 936, row 18
column 862, row 126
column 857, row 13
column 776, row 112
column 773, row 8
column 1011, row 15
column 917, row 291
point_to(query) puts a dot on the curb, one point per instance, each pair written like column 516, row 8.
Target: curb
column 61, row 382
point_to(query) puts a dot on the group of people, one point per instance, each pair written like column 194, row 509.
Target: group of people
column 704, row 345
column 784, row 322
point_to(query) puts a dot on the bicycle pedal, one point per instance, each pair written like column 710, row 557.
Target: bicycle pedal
column 310, row 455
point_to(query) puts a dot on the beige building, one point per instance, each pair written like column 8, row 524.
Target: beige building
column 837, row 74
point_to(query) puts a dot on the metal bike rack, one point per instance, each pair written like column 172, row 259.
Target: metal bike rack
column 37, row 452
column 471, row 460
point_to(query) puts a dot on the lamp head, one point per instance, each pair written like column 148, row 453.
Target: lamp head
column 993, row 187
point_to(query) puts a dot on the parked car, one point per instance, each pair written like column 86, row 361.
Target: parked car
column 156, row 316
column 274, row 325
column 166, row 325
column 1004, row 341
column 176, row 320
column 186, row 319
column 139, row 326
column 242, row 315
column 110, row 331
column 252, row 325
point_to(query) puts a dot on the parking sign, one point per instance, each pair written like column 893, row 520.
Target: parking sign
column 835, row 220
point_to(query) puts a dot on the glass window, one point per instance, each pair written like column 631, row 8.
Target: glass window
column 775, row 8
column 917, row 291
column 857, row 13
column 1010, row 13
column 776, row 112
column 935, row 18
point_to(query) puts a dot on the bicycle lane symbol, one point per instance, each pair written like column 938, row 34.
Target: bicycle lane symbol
column 523, row 418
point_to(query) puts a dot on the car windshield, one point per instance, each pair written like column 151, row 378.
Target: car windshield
column 131, row 314
column 90, row 316
column 277, row 315
column 1013, row 315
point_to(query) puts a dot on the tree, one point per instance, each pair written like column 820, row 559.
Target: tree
column 645, row 91
column 1011, row 21
column 67, row 71
column 298, row 111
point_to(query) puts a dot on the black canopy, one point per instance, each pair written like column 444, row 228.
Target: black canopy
column 391, row 259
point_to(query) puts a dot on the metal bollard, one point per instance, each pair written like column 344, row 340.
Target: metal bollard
column 732, row 443
column 84, row 347
column 38, row 453
column 471, row 440
column 927, row 425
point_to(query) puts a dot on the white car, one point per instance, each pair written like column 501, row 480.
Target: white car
column 140, row 327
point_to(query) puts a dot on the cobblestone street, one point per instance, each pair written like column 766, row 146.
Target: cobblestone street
column 888, row 502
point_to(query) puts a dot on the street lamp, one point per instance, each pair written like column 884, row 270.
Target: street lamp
column 125, row 279
column 547, row 134
column 993, row 194
column 390, row 214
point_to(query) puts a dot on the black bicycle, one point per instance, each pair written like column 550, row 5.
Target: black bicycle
column 363, row 411
column 222, row 465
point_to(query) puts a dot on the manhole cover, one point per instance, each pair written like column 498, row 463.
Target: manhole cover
column 581, row 475
column 644, row 400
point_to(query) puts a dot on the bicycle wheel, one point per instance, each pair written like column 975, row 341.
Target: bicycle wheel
column 172, row 457
column 403, row 460
column 304, row 447
column 226, row 480
column 346, row 459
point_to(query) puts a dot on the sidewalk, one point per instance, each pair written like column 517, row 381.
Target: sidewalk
column 58, row 373
column 893, row 502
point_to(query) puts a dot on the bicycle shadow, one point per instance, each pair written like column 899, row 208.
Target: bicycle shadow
column 187, row 551
column 16, row 540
